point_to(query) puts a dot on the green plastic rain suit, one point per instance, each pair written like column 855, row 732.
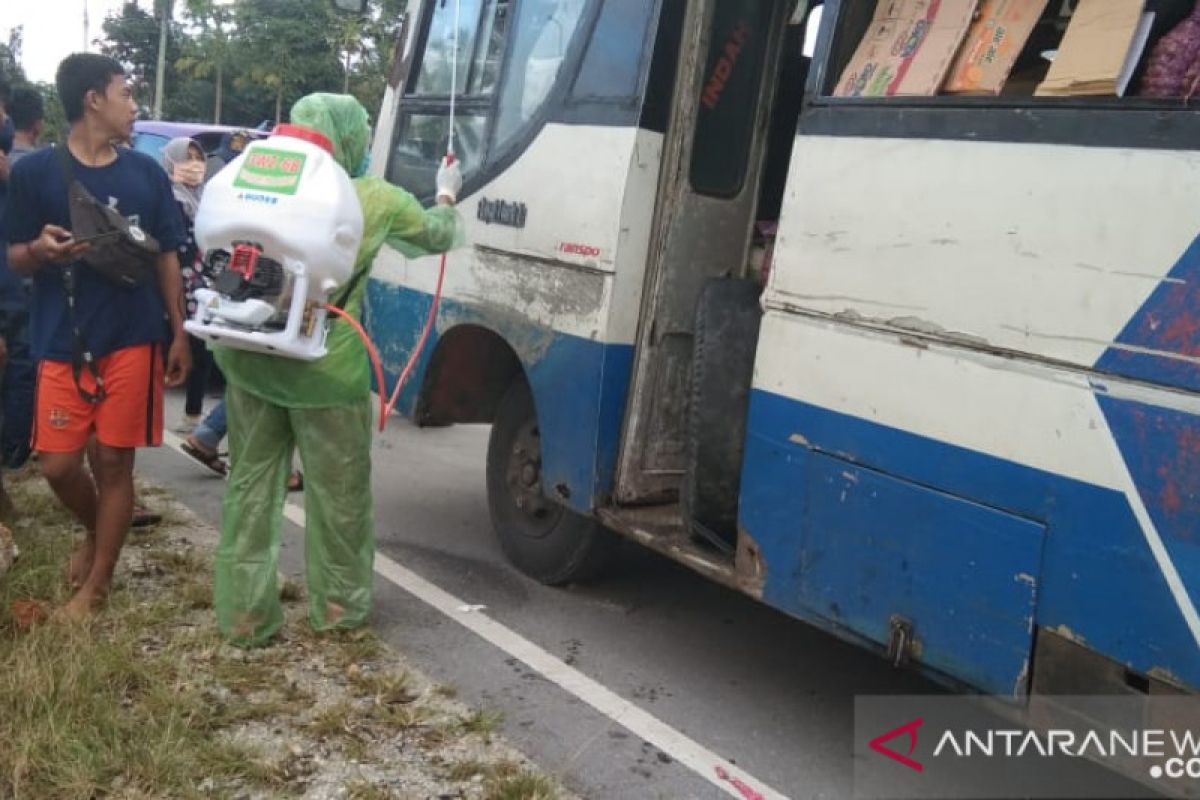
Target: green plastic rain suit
column 324, row 408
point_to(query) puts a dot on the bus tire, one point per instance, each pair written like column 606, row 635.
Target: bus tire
column 726, row 339
column 543, row 539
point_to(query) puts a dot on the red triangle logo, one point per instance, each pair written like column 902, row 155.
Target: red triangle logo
column 877, row 744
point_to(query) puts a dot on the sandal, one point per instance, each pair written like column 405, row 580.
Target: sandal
column 295, row 482
column 210, row 460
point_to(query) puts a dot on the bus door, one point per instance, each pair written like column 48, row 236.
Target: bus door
column 707, row 198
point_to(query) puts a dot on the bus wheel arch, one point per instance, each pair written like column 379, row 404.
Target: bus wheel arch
column 469, row 372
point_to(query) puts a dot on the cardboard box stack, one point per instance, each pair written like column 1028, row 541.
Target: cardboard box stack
column 1102, row 45
column 907, row 49
column 923, row 47
column 992, row 45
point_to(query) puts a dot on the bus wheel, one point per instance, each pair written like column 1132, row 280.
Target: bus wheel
column 544, row 540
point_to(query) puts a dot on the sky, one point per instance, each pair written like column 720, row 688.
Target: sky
column 54, row 29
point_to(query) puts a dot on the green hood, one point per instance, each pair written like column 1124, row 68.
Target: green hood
column 343, row 120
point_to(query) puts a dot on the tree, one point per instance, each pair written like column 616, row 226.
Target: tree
column 133, row 38
column 56, row 119
column 366, row 44
column 208, row 54
column 286, row 46
column 10, row 57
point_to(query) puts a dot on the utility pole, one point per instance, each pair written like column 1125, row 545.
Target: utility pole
column 161, row 73
column 87, row 39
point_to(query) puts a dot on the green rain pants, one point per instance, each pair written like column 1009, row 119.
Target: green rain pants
column 339, row 534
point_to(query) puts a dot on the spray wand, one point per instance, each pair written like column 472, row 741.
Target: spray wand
column 386, row 407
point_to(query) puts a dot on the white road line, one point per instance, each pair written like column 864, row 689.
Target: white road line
column 636, row 720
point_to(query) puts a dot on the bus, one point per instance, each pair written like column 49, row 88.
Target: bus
column 923, row 371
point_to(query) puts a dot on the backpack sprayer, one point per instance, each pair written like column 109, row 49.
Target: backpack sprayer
column 280, row 228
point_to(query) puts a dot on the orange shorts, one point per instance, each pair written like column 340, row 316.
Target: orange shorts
column 130, row 415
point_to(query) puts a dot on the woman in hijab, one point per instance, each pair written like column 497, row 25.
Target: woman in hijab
column 184, row 161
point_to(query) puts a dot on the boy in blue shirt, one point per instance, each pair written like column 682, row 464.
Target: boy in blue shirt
column 123, row 328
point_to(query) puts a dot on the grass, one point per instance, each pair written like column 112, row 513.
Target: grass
column 336, row 721
column 364, row 790
column 483, row 722
column 385, row 688
column 524, row 785
column 462, row 771
column 402, row 718
column 184, row 564
column 103, row 708
column 505, row 780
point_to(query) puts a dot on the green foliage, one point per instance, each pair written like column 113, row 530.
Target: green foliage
column 246, row 62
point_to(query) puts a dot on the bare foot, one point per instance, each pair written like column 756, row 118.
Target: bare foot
column 84, row 605
column 80, row 565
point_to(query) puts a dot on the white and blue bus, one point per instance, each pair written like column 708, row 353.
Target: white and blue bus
column 922, row 371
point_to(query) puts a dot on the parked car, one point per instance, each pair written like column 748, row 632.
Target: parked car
column 151, row 136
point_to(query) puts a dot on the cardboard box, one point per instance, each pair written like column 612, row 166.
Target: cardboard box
column 1100, row 40
column 907, row 49
column 992, row 45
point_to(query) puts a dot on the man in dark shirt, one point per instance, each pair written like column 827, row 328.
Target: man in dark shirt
column 27, row 111
column 123, row 328
column 6, row 142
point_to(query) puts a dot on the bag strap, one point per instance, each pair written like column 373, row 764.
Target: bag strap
column 68, row 168
column 81, row 354
column 348, row 291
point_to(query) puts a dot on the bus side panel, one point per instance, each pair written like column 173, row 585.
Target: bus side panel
column 1031, row 442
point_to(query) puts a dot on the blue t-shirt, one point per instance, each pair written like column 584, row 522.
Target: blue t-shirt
column 110, row 317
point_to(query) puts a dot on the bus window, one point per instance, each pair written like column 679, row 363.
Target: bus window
column 544, row 32
column 422, row 143
column 489, row 47
column 422, row 132
column 613, row 64
column 727, row 113
column 436, row 64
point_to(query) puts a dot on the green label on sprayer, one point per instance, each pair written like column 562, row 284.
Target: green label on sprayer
column 268, row 170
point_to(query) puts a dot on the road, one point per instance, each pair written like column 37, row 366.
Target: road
column 769, row 694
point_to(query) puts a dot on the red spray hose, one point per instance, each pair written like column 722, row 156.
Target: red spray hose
column 386, row 407
column 371, row 351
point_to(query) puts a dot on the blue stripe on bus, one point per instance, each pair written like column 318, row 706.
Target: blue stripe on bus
column 1168, row 322
column 579, row 385
column 1161, row 447
column 1097, row 583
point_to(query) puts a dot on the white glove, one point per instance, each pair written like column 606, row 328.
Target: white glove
column 449, row 180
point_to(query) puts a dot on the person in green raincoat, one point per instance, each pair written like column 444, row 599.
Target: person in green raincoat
column 323, row 408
